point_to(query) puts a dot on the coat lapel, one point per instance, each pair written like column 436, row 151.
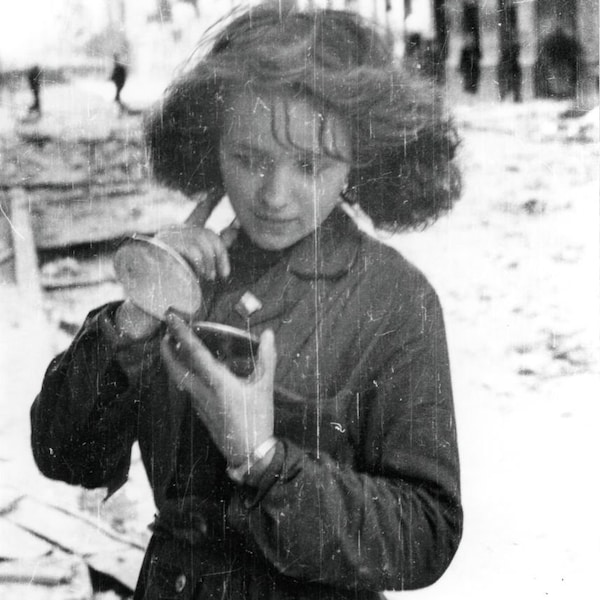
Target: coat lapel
column 328, row 253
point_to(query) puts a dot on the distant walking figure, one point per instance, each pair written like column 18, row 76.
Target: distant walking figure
column 119, row 77
column 34, row 78
column 470, row 56
column 509, row 73
column 469, row 68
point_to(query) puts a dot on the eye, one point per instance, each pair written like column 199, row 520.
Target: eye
column 308, row 166
column 245, row 160
column 252, row 162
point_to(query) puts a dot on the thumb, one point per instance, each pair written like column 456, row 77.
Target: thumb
column 229, row 234
column 267, row 356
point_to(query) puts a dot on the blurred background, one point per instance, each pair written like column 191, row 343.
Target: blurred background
column 516, row 265
column 556, row 40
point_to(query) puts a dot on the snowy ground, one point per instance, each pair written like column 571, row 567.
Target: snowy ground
column 516, row 266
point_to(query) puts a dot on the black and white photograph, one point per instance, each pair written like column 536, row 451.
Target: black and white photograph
column 299, row 299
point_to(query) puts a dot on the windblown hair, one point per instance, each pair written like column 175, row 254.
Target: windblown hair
column 402, row 172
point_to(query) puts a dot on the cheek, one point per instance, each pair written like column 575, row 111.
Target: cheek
column 239, row 185
column 330, row 189
column 319, row 202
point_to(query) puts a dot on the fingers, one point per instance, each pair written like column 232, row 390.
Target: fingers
column 203, row 249
column 178, row 372
column 185, row 378
column 205, row 254
column 189, row 350
column 230, row 234
column 222, row 256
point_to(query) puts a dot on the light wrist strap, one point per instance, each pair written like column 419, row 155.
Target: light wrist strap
column 239, row 473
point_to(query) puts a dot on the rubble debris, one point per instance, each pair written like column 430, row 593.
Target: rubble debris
column 59, row 576
column 98, row 546
column 16, row 543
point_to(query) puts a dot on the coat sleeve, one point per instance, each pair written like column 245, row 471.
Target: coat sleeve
column 84, row 420
column 393, row 519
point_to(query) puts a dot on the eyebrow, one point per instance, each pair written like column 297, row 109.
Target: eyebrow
column 287, row 140
column 330, row 152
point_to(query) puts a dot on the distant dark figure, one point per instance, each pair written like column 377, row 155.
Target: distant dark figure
column 557, row 66
column 413, row 45
column 426, row 55
column 119, row 77
column 469, row 67
column 510, row 76
column 34, row 78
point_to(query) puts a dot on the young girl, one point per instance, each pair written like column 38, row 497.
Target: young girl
column 347, row 484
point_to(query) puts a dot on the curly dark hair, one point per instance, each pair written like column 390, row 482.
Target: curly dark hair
column 403, row 173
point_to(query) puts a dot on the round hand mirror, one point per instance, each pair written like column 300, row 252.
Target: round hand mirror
column 155, row 277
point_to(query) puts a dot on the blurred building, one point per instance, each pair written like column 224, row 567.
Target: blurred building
column 557, row 42
column 554, row 41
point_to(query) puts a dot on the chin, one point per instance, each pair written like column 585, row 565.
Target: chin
column 273, row 242
column 267, row 240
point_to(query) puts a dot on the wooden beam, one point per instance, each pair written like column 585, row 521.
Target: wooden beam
column 59, row 222
column 26, row 260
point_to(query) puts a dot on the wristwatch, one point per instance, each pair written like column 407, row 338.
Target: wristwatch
column 239, row 473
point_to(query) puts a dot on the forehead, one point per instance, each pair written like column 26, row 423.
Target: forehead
column 267, row 119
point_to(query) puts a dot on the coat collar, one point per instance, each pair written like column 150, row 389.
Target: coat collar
column 327, row 253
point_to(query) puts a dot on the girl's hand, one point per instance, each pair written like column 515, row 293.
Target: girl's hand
column 203, row 249
column 238, row 412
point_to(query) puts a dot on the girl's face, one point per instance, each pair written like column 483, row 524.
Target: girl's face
column 281, row 182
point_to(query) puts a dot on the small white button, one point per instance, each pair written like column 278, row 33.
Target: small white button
column 248, row 304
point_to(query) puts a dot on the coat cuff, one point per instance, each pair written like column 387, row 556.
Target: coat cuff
column 130, row 354
column 285, row 465
column 250, row 494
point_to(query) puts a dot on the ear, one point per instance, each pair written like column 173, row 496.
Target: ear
column 346, row 195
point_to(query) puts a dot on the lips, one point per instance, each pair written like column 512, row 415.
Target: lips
column 273, row 220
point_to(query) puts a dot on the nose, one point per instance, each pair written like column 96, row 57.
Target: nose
column 276, row 188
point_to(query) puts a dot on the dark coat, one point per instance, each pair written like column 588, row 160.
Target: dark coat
column 363, row 492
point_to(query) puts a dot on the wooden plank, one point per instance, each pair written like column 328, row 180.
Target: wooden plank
column 9, row 497
column 7, row 254
column 66, row 190
column 75, row 533
column 63, row 223
column 103, row 549
column 66, row 272
column 6, row 249
column 16, row 543
column 53, row 577
column 26, row 260
column 123, row 566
